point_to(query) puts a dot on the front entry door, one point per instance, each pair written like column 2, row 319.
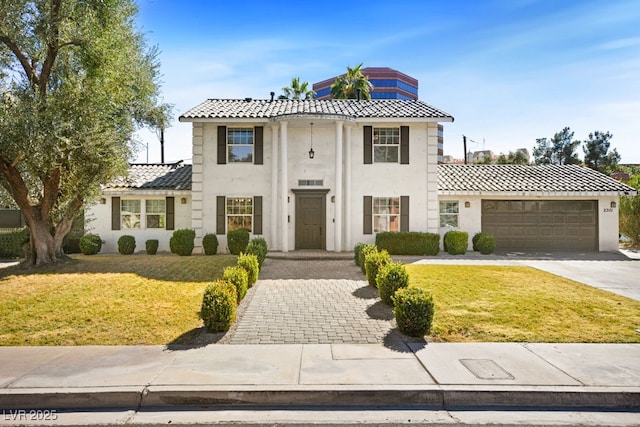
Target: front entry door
column 310, row 221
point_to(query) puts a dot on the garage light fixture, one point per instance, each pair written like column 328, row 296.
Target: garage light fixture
column 311, row 152
column 613, row 205
column 467, row 204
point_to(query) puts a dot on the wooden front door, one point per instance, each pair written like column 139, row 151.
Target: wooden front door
column 310, row 221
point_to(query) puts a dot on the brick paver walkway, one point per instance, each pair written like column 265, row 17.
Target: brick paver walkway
column 313, row 301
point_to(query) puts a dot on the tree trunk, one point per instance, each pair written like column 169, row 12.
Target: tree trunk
column 41, row 242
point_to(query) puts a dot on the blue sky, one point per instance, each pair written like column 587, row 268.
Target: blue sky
column 509, row 71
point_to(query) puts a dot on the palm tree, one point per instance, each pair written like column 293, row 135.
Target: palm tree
column 297, row 90
column 348, row 85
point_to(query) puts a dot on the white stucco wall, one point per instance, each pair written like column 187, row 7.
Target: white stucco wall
column 98, row 221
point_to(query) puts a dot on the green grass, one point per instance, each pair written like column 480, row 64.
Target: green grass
column 522, row 304
column 106, row 300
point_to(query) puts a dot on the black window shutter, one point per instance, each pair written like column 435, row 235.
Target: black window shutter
column 368, row 145
column 171, row 213
column 257, row 215
column 404, row 213
column 115, row 213
column 222, row 145
column 367, row 218
column 220, row 215
column 258, row 144
column 404, row 145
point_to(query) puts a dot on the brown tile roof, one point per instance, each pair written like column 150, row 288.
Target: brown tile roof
column 533, row 180
column 155, row 176
column 266, row 109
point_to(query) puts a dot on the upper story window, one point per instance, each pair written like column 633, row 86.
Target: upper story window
column 386, row 214
column 386, row 145
column 156, row 213
column 239, row 213
column 240, row 145
column 130, row 214
column 449, row 213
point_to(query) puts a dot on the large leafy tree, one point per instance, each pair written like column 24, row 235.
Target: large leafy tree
column 350, row 84
column 76, row 81
column 513, row 158
column 559, row 150
column 297, row 90
column 596, row 152
column 629, row 213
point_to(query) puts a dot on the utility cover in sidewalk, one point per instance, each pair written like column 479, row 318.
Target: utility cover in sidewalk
column 486, row 369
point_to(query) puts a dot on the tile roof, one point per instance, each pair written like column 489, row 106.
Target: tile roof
column 266, row 109
column 544, row 179
column 155, row 176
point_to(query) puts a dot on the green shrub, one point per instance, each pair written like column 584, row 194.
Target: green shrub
column 210, row 244
column 391, row 277
column 474, row 242
column 250, row 263
column 239, row 278
column 90, row 244
column 258, row 247
column 219, row 305
column 151, row 246
column 126, row 244
column 182, row 241
column 456, row 242
column 486, row 243
column 373, row 261
column 409, row 243
column 413, row 310
column 364, row 250
column 357, row 249
column 12, row 243
column 237, row 240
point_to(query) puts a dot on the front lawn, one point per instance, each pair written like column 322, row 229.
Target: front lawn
column 106, row 299
column 522, row 304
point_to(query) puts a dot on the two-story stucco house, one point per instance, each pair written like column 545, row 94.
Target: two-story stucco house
column 314, row 174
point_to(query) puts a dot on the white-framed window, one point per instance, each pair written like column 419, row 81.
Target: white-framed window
column 449, row 213
column 386, row 214
column 239, row 213
column 240, row 145
column 156, row 213
column 386, row 145
column 130, row 214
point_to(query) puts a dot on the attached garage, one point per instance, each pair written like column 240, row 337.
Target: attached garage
column 532, row 208
column 538, row 225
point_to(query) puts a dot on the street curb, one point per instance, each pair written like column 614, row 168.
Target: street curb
column 71, row 398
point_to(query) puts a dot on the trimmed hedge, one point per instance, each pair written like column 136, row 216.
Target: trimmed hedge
column 90, row 244
column 258, row 247
column 151, row 246
column 391, row 277
column 373, row 262
column 357, row 249
column 11, row 244
column 219, row 305
column 485, row 243
column 210, row 244
column 413, row 310
column 409, row 243
column 182, row 241
column 250, row 263
column 456, row 242
column 126, row 245
column 239, row 278
column 237, row 240
column 364, row 250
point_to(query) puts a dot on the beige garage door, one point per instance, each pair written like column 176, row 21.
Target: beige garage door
column 553, row 225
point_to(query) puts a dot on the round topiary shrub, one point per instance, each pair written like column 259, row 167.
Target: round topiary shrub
column 250, row 263
column 364, row 250
column 486, row 244
column 413, row 310
column 151, row 246
column 90, row 244
column 391, row 277
column 239, row 278
column 219, row 305
column 258, row 247
column 357, row 249
column 182, row 241
column 126, row 245
column 474, row 241
column 237, row 240
column 210, row 244
column 373, row 261
column 456, row 242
